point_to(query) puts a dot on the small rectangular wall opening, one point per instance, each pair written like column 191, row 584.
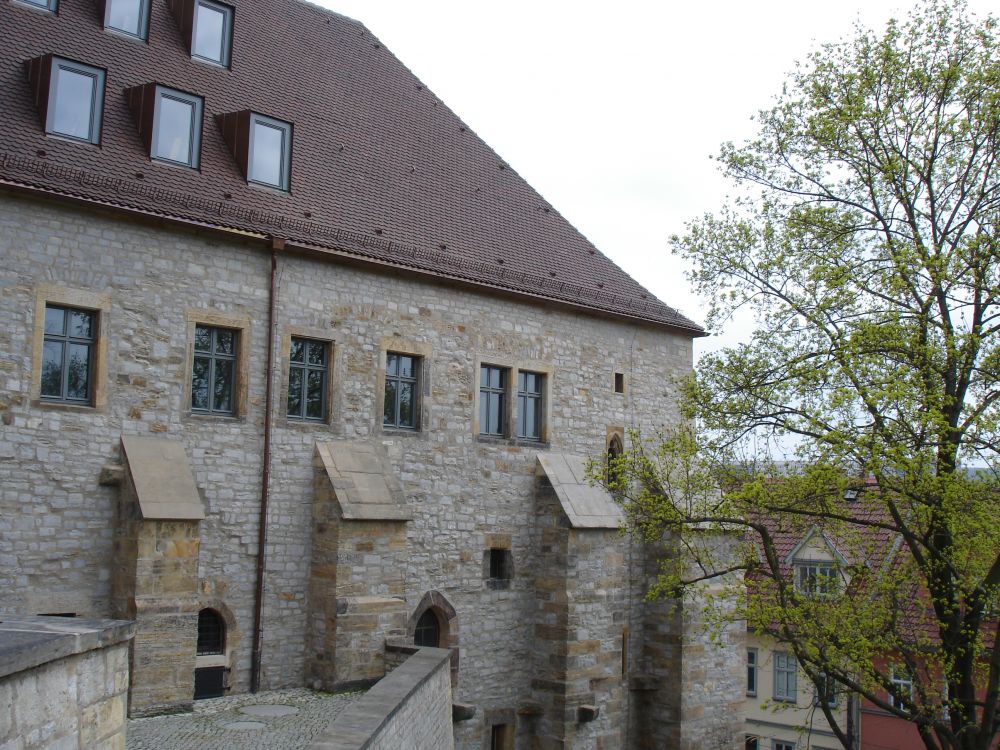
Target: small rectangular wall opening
column 209, row 682
column 619, row 382
column 501, row 737
column 498, row 567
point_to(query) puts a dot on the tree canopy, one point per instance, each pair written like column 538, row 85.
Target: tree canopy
column 863, row 236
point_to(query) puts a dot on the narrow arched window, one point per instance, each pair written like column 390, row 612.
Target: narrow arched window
column 211, row 633
column 428, row 630
column 613, row 476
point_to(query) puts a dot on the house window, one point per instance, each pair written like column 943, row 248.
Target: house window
column 750, row 742
column 751, row 671
column 307, row 376
column 826, row 692
column 76, row 98
column 129, row 17
column 816, row 579
column 68, row 355
column 212, row 32
column 269, row 159
column 402, row 378
column 213, row 377
column 784, row 676
column 619, row 382
column 492, row 400
column 782, row 745
column 44, row 4
column 211, row 633
column 902, row 688
column 529, row 405
column 176, row 127
column 428, row 630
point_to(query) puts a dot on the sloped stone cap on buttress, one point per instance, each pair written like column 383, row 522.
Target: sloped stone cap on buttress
column 363, row 482
column 163, row 480
column 586, row 505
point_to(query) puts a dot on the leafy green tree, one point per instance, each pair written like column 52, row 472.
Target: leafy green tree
column 863, row 235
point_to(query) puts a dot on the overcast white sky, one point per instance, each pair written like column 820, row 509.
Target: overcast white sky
column 612, row 112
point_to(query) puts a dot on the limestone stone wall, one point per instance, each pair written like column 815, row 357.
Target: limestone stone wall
column 63, row 683
column 57, row 520
column 410, row 707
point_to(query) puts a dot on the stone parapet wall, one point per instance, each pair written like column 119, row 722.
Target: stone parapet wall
column 63, row 683
column 409, row 708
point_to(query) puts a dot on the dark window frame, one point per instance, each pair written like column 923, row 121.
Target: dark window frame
column 429, row 624
column 394, row 420
column 197, row 115
column 143, row 31
column 65, row 339
column 284, row 182
column 214, row 356
column 753, row 659
column 524, row 396
column 226, row 47
column 211, row 633
column 96, row 98
column 305, row 368
column 490, row 395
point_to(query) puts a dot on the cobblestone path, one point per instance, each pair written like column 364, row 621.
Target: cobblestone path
column 264, row 721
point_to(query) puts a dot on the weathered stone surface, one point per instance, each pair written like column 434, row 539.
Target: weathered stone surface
column 63, row 682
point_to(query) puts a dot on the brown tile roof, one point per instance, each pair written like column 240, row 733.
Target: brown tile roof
column 382, row 170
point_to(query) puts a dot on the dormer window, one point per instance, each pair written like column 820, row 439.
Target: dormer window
column 176, row 127
column 49, row 5
column 129, row 17
column 261, row 145
column 270, row 151
column 819, row 579
column 69, row 95
column 169, row 123
column 212, row 32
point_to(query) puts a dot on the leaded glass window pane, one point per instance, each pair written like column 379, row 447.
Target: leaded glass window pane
column 67, row 354
column 307, row 379
column 213, row 375
column 400, row 406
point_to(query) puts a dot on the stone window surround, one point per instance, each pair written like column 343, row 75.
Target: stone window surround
column 513, row 367
column 50, row 294
column 499, row 541
column 332, row 369
column 413, row 348
column 500, row 717
column 239, row 323
column 447, row 619
column 231, row 641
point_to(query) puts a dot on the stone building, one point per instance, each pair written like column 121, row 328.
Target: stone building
column 293, row 366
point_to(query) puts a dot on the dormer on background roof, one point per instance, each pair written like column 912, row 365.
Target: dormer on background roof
column 128, row 17
column 206, row 28
column 170, row 123
column 261, row 145
column 69, row 96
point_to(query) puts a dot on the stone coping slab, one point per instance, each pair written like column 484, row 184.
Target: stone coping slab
column 586, row 505
column 31, row 641
column 364, row 483
column 164, row 482
column 354, row 728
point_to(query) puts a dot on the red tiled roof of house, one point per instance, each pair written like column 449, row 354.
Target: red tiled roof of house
column 382, row 170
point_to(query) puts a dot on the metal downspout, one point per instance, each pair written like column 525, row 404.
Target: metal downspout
column 277, row 244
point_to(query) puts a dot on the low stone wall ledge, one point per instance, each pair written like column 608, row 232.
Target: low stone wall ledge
column 379, row 718
column 28, row 642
